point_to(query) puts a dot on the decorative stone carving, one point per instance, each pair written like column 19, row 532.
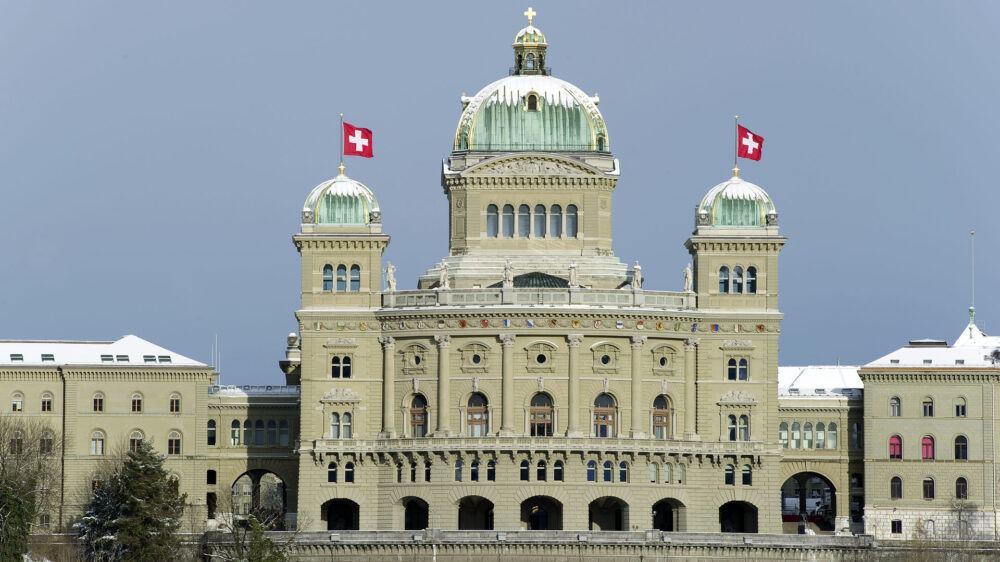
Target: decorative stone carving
column 574, row 340
column 475, row 384
column 691, row 344
column 532, row 168
column 375, row 217
column 341, row 395
column 737, row 397
column 443, row 340
column 638, row 342
column 390, row 276
column 607, row 384
column 541, row 384
column 388, row 342
column 508, row 274
column 307, row 216
column 340, row 342
column 636, row 275
column 688, row 278
column 573, row 277
column 772, row 219
column 737, row 344
column 416, row 385
column 443, row 277
column 702, row 218
column 507, row 340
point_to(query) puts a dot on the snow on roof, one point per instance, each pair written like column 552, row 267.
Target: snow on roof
column 972, row 348
column 129, row 350
column 819, row 380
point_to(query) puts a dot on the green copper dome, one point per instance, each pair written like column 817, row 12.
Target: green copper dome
column 530, row 34
column 341, row 202
column 736, row 203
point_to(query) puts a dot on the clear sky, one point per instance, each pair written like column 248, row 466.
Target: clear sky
column 154, row 157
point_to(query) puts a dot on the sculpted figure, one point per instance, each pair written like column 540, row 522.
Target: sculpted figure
column 688, row 278
column 508, row 274
column 637, row 275
column 390, row 277
column 443, row 280
column 573, row 281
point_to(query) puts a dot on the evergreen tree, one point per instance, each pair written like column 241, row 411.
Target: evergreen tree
column 16, row 512
column 135, row 511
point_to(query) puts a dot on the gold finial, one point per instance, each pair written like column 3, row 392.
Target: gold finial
column 530, row 13
column 341, row 168
column 736, row 172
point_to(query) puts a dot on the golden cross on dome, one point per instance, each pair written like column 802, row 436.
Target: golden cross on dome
column 530, row 13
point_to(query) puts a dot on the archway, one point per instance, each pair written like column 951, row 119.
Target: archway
column 259, row 494
column 608, row 514
column 415, row 514
column 341, row 515
column 475, row 513
column 667, row 514
column 808, row 499
column 541, row 513
column 738, row 517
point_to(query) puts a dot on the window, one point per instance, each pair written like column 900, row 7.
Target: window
column 355, row 278
column 135, row 440
column 418, row 416
column 149, row 359
column 783, row 435
column 47, row 402
column 732, row 428
column 335, row 426
column 856, row 438
column 661, row 417
column 328, row 277
column 163, row 358
column 17, row 402
column 831, row 436
column 894, row 407
column 960, row 407
column 211, row 478
column 523, row 221
column 653, row 472
column 458, row 471
column 46, row 357
column 744, row 428
column 557, row 471
column 272, row 433
column 896, row 526
column 737, row 280
column 667, row 469
column 796, row 435
column 529, row 61
column 175, row 403
column 174, row 443
column 492, row 222
column 331, row 472
column 555, row 221
column 427, row 472
column 340, row 367
column 260, row 434
column 820, row 436
column 349, row 472
column 730, row 475
column 97, row 443
column 928, row 488
column 283, row 432
column 16, row 357
column 341, row 277
column 591, row 471
column 210, row 434
column 136, row 403
column 623, row 471
column 539, row 221
column 234, row 433
column 571, row 222
column 928, row 405
column 508, row 221
column 47, row 443
column 731, row 370
column 532, row 99
column 744, row 372
column 723, row 280
column 895, row 447
column 961, row 448
column 927, row 447
column 474, row 471
column 896, row 488
column 751, row 280
column 541, row 471
column 478, row 416
column 345, row 426
column 961, row 489
column 44, row 520
column 604, row 416
column 608, row 469
column 747, row 475
column 491, row 471
column 247, row 433
column 16, row 442
column 524, row 471
column 680, row 474
column 541, row 415
column 807, row 435
column 98, row 402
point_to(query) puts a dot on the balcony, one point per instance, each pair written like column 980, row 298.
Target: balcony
column 522, row 297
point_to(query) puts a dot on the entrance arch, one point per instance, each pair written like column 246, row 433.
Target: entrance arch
column 608, row 514
column 667, row 515
column 260, row 494
column 475, row 513
column 341, row 515
column 738, row 517
column 808, row 498
column 541, row 513
column 415, row 514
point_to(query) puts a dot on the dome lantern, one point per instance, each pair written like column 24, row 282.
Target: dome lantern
column 529, row 50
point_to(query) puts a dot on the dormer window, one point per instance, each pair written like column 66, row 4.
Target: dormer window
column 532, row 102
column 48, row 357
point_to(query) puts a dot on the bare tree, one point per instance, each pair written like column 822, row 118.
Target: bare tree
column 243, row 528
column 29, row 479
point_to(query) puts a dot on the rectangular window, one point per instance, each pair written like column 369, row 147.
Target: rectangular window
column 16, row 405
column 98, row 404
column 107, row 358
column 48, row 357
column 137, row 405
column 164, row 358
column 897, row 526
column 121, row 358
column 928, row 408
column 16, row 357
column 173, row 446
column 149, row 359
column 928, row 489
column 46, row 445
column 175, row 405
column 46, row 404
column 959, row 410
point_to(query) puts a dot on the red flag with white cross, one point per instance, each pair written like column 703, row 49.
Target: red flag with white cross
column 748, row 145
column 357, row 141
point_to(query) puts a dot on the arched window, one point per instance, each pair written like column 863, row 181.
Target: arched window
column 210, row 434
column 928, row 488
column 327, row 277
column 928, row 407
column 737, row 280
column 896, row 488
column 732, row 428
column 335, row 426
column 895, row 447
column 418, row 416
column 247, row 433
column 98, row 402
column 349, row 472
column 807, row 435
column 731, row 370
column 927, row 447
column 342, row 278
column 234, row 433
column 555, row 221
column 667, row 469
column 895, row 407
column 744, row 428
column 427, row 472
column 474, row 471
column 723, row 280
column 135, row 440
column 796, row 441
column 539, row 221
column 529, row 61
column 591, row 471
column 272, row 433
column 355, row 278
column 508, row 221
column 831, row 436
column 961, row 488
column 478, row 416
column 97, row 443
column 46, row 401
column 491, row 471
column 523, row 221
column 458, row 471
column 331, row 472
column 751, row 280
column 600, row 144
column 961, row 448
column 174, row 443
column 747, row 475
column 283, row 433
column 492, row 221
column 47, row 443
column 345, row 426
column 540, row 471
column 557, row 471
column 783, row 435
column 653, row 472
column 525, row 469
column 17, row 402
column 532, row 102
column 340, row 367
column 960, row 407
column 136, row 403
column 730, row 475
column 571, row 222
column 680, row 473
column 541, row 415
column 604, row 416
column 744, row 373
column 820, row 436
column 623, row 471
column 259, row 434
column 608, row 470
column 856, row 436
column 661, row 417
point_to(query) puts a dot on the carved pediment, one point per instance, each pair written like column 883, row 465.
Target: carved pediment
column 340, row 395
column 533, row 166
column 737, row 397
column 737, row 344
column 340, row 342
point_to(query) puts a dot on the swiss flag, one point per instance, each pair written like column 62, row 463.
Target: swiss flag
column 748, row 145
column 357, row 141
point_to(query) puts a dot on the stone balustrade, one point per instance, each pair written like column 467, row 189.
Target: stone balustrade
column 530, row 296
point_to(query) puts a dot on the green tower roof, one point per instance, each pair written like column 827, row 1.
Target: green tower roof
column 340, row 202
column 736, row 203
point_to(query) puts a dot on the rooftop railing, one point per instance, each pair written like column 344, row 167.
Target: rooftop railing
column 529, row 297
column 254, row 390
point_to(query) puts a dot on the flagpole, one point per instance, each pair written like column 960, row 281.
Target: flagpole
column 341, row 144
column 736, row 145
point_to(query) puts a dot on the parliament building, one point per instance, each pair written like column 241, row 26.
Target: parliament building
column 532, row 380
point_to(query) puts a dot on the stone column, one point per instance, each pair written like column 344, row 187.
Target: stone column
column 388, row 387
column 573, row 428
column 507, row 398
column 444, row 387
column 690, row 389
column 637, row 409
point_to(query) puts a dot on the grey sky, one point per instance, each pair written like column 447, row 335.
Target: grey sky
column 154, row 157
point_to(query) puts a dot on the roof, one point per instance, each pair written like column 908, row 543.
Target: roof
column 736, row 202
column 340, row 201
column 972, row 348
column 819, row 381
column 129, row 350
column 535, row 280
column 530, row 34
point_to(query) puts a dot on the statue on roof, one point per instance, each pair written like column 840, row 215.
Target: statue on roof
column 508, row 274
column 637, row 275
column 688, row 278
column 390, row 277
column 443, row 279
column 573, row 281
